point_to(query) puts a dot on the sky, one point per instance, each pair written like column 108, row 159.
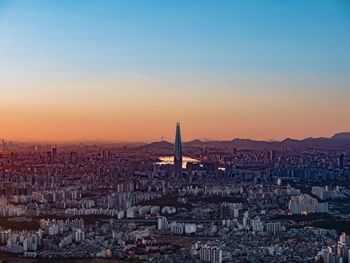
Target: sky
column 129, row 70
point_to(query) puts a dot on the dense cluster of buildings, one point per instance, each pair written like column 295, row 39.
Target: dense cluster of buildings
column 224, row 205
column 325, row 193
column 336, row 253
column 305, row 204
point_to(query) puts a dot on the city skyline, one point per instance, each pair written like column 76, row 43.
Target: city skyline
column 169, row 140
column 106, row 71
column 187, row 131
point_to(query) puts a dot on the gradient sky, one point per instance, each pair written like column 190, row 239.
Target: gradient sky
column 128, row 70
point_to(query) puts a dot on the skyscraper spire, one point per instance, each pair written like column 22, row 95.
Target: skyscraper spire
column 178, row 152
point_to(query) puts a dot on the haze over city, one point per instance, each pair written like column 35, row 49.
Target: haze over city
column 127, row 71
column 177, row 131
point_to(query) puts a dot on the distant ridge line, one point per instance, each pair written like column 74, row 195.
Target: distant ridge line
column 338, row 140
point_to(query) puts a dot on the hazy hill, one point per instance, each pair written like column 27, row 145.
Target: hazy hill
column 337, row 141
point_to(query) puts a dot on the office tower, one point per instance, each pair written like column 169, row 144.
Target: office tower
column 178, row 152
column 54, row 153
column 273, row 156
column 341, row 161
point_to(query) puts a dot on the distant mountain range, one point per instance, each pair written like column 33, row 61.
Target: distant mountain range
column 337, row 141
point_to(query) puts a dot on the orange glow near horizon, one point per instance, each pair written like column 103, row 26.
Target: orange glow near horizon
column 124, row 71
column 134, row 107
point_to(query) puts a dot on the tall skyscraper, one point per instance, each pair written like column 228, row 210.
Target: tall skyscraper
column 341, row 161
column 54, row 153
column 178, row 152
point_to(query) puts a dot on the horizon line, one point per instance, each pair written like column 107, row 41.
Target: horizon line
column 137, row 141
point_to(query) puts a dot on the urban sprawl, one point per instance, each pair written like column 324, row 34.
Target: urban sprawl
column 214, row 202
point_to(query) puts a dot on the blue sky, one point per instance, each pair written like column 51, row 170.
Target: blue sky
column 253, row 69
column 177, row 37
